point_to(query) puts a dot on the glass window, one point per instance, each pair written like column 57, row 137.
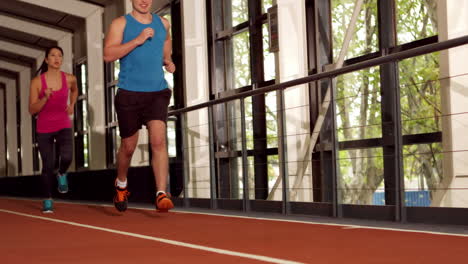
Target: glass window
column 171, row 139
column 365, row 37
column 361, row 176
column 116, row 69
column 169, row 76
column 420, row 94
column 358, row 105
column 271, row 120
column 266, row 4
column 240, row 11
column 81, row 118
column 422, row 165
column 241, row 60
column 416, row 19
column 269, row 64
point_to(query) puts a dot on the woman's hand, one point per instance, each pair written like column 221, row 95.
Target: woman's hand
column 70, row 109
column 47, row 93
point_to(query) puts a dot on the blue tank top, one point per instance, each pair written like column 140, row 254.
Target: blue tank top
column 141, row 69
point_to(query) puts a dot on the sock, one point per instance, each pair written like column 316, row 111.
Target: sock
column 121, row 184
column 160, row 192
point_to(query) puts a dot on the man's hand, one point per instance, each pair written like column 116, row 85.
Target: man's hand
column 169, row 66
column 144, row 35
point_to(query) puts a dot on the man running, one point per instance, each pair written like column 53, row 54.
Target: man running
column 142, row 42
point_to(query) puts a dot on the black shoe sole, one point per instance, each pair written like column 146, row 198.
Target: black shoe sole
column 120, row 206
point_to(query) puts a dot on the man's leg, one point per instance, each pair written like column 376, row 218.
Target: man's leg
column 124, row 156
column 159, row 162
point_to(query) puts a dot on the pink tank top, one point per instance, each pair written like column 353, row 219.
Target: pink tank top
column 53, row 116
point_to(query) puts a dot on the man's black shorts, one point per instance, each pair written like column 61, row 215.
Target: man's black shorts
column 135, row 109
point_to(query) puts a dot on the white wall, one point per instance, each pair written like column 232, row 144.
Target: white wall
column 196, row 91
column 96, row 95
column 454, row 90
column 292, row 65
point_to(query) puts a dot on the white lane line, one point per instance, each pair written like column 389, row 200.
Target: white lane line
column 270, row 219
column 350, row 227
column 162, row 240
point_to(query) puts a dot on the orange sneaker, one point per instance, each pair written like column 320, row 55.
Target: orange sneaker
column 121, row 199
column 163, row 202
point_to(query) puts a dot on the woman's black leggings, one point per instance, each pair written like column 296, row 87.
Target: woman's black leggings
column 63, row 142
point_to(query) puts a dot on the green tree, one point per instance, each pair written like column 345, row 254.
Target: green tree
column 358, row 98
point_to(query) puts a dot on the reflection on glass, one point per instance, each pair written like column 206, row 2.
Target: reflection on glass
column 170, row 84
column 240, row 11
column 236, row 180
column 116, row 69
column 241, row 57
column 361, row 176
column 249, row 123
column 251, row 177
column 234, row 123
column 416, row 19
column 169, row 76
column 85, row 151
column 84, row 110
column 271, row 120
column 268, row 58
column 275, row 188
column 83, row 79
column 171, row 139
column 358, row 105
column 365, row 37
column 420, row 96
column 422, row 165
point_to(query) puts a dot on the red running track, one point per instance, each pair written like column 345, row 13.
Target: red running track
column 97, row 234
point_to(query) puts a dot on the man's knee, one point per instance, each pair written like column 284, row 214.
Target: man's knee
column 158, row 144
column 127, row 148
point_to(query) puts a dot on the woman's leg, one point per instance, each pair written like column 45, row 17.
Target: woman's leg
column 46, row 148
column 65, row 148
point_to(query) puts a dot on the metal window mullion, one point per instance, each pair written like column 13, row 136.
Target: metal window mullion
column 282, row 152
column 18, row 127
column 391, row 112
column 245, row 162
column 186, row 170
column 336, row 190
column 211, row 128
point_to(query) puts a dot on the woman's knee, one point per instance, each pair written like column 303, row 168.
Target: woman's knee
column 66, row 158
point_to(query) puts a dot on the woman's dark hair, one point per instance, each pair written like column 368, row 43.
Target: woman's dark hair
column 44, row 67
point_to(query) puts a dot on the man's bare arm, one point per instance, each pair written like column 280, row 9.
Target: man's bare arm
column 113, row 47
column 167, row 50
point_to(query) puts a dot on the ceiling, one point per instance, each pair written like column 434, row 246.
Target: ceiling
column 36, row 15
column 40, row 15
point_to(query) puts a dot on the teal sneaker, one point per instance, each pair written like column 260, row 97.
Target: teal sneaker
column 62, row 183
column 48, row 206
